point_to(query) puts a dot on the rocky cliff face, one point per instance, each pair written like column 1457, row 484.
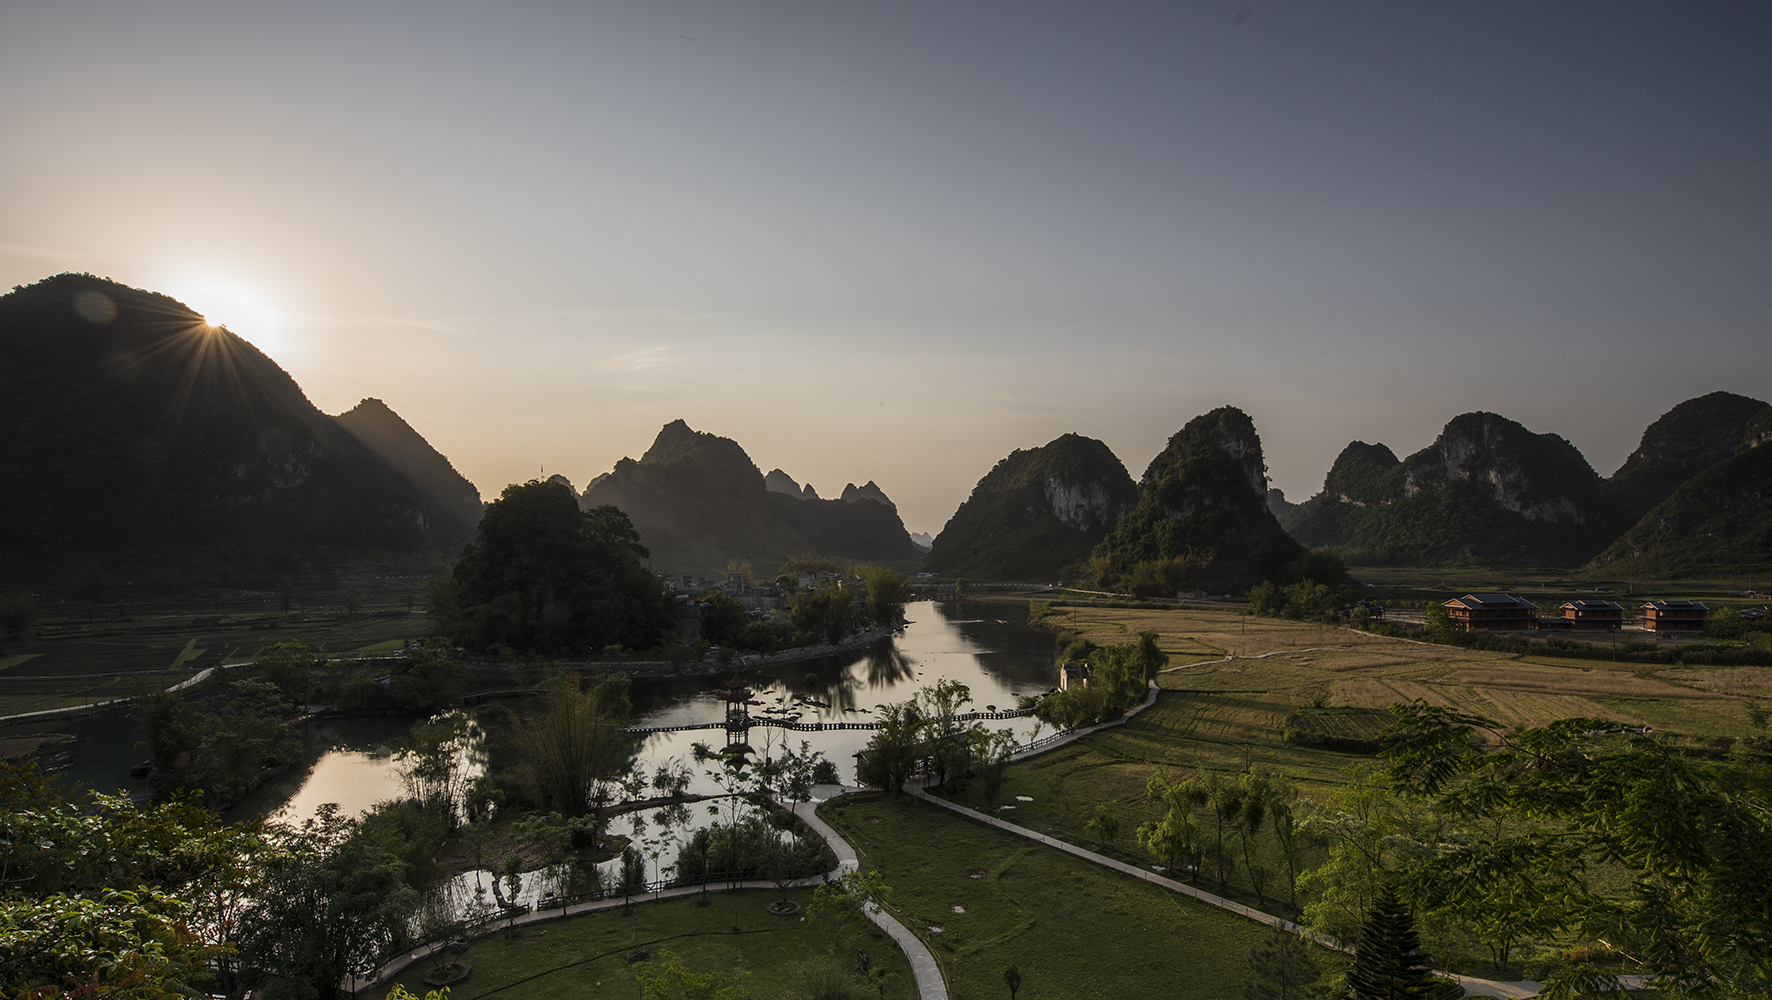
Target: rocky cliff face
column 1540, row 477
column 1085, row 505
column 1035, row 512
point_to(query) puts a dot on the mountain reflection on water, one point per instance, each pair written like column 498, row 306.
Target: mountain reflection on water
column 986, row 646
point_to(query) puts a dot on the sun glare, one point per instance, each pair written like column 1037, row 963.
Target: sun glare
column 233, row 306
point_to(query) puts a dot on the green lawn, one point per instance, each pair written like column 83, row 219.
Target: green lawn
column 735, row 935
column 1183, row 734
column 1075, row 930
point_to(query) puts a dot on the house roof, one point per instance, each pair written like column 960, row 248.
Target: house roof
column 1595, row 606
column 1676, row 606
column 1489, row 601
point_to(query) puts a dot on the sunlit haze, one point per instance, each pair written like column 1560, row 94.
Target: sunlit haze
column 896, row 241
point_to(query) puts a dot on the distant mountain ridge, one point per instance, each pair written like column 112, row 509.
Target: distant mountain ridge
column 1036, row 512
column 383, row 432
column 698, row 501
column 1486, row 490
column 1683, row 442
column 136, row 434
column 1717, row 522
column 1490, row 491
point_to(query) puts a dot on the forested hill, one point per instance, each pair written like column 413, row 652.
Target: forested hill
column 698, row 502
column 1685, row 441
column 383, row 432
column 1202, row 518
column 1486, row 490
column 1036, row 512
column 1717, row 522
column 138, row 436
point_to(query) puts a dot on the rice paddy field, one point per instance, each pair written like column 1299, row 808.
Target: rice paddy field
column 1234, row 682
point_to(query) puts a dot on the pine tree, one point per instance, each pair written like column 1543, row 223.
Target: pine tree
column 1389, row 963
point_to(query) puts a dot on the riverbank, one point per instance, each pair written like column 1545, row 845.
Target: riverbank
column 707, row 667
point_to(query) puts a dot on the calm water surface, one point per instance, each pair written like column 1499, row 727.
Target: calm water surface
column 986, row 646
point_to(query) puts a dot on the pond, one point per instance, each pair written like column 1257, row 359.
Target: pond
column 987, row 646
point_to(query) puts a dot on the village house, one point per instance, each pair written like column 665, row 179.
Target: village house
column 1598, row 615
column 1491, row 611
column 1074, row 675
column 1674, row 616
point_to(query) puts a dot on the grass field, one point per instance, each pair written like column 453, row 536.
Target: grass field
column 1227, row 716
column 1075, row 930
column 735, row 935
column 72, row 661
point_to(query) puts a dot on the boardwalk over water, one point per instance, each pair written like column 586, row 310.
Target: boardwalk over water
column 750, row 721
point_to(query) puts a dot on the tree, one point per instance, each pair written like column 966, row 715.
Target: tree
column 851, row 897
column 994, row 753
column 1012, row 979
column 1374, row 836
column 887, row 592
column 576, row 744
column 743, row 568
column 1281, row 967
column 429, row 679
column 331, row 905
column 726, row 618
column 828, row 612
column 787, row 776
column 1104, row 825
column 513, row 884
column 1691, row 834
column 1175, row 838
column 947, row 741
column 1389, row 964
column 543, row 576
column 100, row 897
column 290, row 666
column 891, row 754
column 438, row 761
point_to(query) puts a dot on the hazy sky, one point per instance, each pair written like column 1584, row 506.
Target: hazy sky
column 894, row 241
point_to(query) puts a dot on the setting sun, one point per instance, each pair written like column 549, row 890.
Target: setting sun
column 237, row 308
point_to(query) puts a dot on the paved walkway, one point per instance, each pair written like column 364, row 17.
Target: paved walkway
column 930, row 984
column 191, row 681
column 1107, row 862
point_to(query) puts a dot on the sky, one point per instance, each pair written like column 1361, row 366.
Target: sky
column 896, row 241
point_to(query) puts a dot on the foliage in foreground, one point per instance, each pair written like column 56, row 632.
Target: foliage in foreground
column 99, row 896
column 1539, row 810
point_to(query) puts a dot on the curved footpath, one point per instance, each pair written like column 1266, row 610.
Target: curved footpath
column 194, row 679
column 930, row 985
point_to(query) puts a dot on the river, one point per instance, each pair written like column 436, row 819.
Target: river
column 987, row 646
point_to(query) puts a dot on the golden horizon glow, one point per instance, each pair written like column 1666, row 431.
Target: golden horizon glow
column 231, row 306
